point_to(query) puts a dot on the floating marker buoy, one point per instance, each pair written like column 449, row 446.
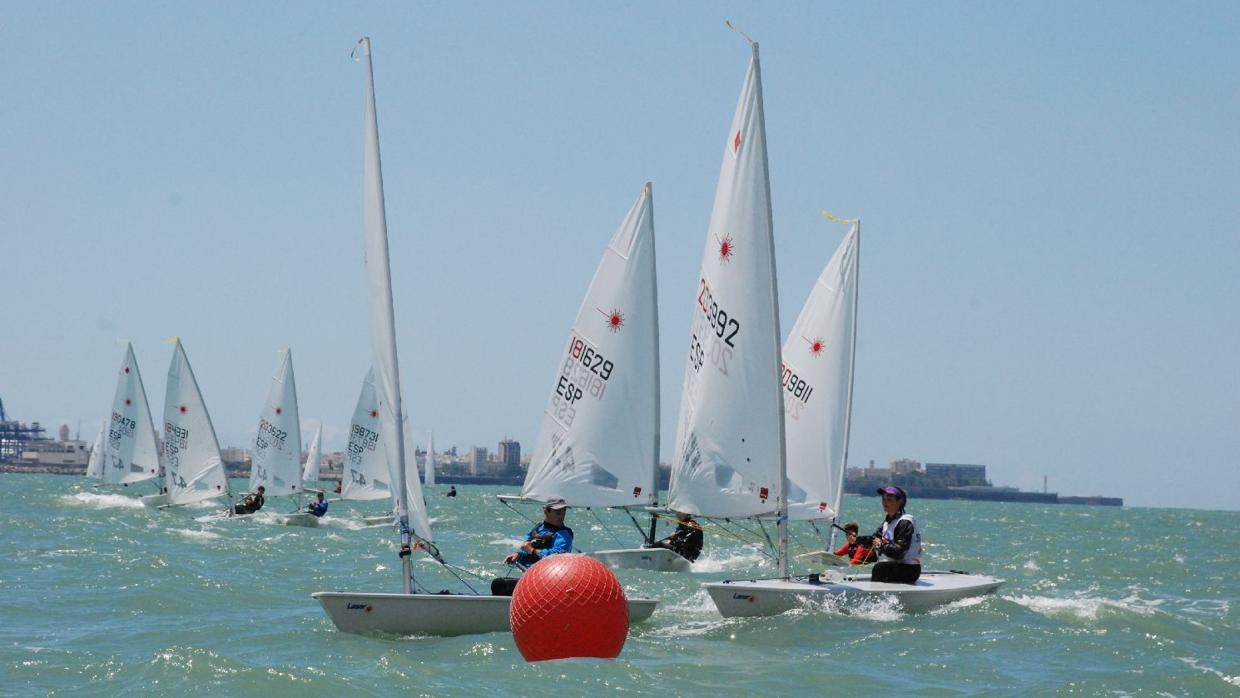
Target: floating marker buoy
column 569, row 606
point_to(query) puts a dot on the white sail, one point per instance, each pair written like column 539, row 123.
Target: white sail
column 314, row 458
column 94, row 466
column 598, row 445
column 382, row 318
column 130, row 451
column 418, row 516
column 817, row 385
column 276, row 463
column 365, row 473
column 429, row 468
column 729, row 443
column 195, row 471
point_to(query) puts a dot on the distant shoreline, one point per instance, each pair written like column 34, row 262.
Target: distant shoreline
column 858, row 487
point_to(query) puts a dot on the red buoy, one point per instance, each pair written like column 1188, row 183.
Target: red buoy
column 569, row 606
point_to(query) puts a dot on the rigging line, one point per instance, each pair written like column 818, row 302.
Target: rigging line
column 461, row 579
column 518, row 512
column 740, row 538
column 466, row 571
column 611, row 535
column 764, row 533
column 642, row 531
column 532, row 520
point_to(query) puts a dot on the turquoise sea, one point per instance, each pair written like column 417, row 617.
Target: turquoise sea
column 100, row 596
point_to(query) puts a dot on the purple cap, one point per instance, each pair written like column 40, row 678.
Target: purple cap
column 893, row 491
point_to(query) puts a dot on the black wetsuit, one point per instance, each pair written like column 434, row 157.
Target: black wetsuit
column 685, row 541
column 255, row 503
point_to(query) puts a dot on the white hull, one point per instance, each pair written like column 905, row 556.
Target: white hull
column 657, row 559
column 431, row 614
column 826, row 559
column 774, row 596
column 155, row 500
column 300, row 519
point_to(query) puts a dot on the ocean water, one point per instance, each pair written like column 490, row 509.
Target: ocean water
column 99, row 596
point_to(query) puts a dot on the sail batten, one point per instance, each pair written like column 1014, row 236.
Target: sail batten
column 598, row 443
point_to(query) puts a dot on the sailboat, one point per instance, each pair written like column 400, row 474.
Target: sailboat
column 276, row 463
column 739, row 410
column 405, row 613
column 191, row 457
column 314, row 460
column 367, row 475
column 598, row 445
column 429, row 468
column 817, row 380
column 127, row 451
column 729, row 456
column 94, row 466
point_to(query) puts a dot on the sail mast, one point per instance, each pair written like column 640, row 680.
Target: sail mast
column 658, row 379
column 852, row 364
column 781, row 512
column 382, row 315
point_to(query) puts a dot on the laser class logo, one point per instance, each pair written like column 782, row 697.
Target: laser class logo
column 615, row 319
column 727, row 247
column 816, row 345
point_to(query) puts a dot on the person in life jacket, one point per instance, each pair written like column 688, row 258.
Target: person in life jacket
column 686, row 540
column 547, row 538
column 319, row 506
column 451, row 492
column 897, row 541
column 252, row 502
column 856, row 553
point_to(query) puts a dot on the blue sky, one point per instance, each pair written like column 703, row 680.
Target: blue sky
column 1050, row 251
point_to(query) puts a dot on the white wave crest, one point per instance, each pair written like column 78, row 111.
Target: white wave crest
column 1087, row 608
column 745, row 558
column 95, row 500
column 195, row 534
column 1194, row 663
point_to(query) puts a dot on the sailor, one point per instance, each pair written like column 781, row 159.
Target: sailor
column 856, row 553
column 319, row 506
column 686, row 540
column 451, row 492
column 897, row 541
column 252, row 502
column 547, row 538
